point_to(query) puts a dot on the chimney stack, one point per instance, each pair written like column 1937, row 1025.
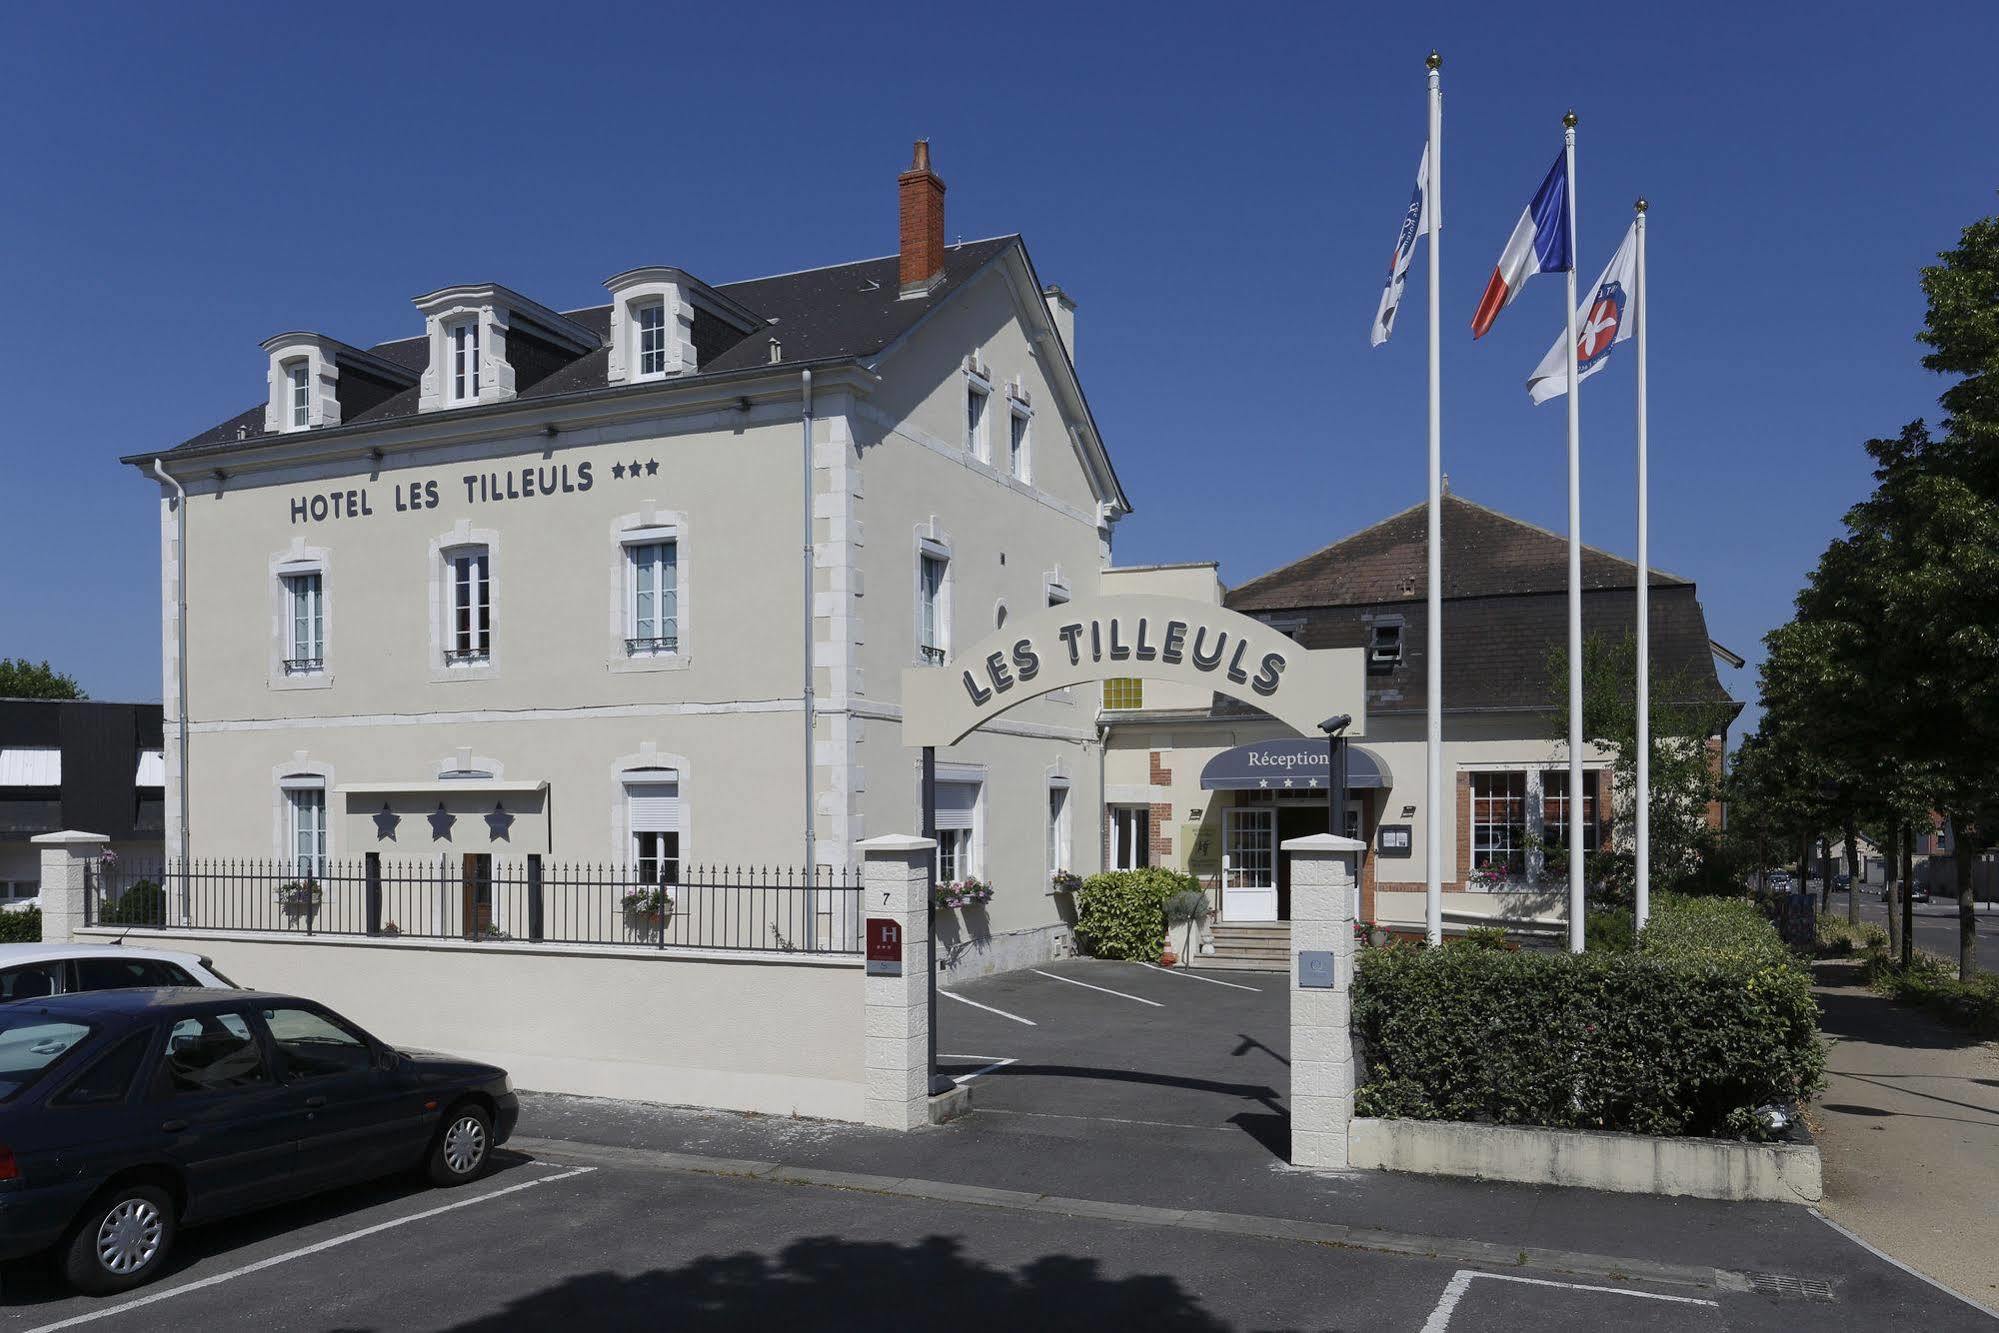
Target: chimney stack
column 921, row 198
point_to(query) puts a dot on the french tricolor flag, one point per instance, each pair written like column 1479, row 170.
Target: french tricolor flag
column 1540, row 244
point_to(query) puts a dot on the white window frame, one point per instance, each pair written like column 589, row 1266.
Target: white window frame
column 1061, row 826
column 464, row 649
column 1020, row 441
column 978, row 433
column 304, row 657
column 635, row 838
column 1130, row 836
column 461, row 350
column 298, row 390
column 963, row 849
column 296, row 789
column 933, row 614
column 1056, row 589
column 649, row 339
column 665, row 639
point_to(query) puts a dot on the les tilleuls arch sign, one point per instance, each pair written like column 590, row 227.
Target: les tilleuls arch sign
column 1155, row 638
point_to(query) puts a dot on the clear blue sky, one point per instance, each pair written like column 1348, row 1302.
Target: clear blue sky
column 1218, row 187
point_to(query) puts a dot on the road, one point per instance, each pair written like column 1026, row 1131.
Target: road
column 1936, row 924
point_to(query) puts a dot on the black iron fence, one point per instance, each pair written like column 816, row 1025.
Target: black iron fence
column 485, row 899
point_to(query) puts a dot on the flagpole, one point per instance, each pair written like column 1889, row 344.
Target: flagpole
column 1433, row 833
column 1575, row 807
column 1644, row 860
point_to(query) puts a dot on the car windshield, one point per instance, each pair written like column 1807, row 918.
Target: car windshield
column 32, row 1044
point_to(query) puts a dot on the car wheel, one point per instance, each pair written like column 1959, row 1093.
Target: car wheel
column 121, row 1240
column 463, row 1145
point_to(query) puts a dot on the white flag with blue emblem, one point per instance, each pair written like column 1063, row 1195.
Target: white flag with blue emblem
column 1415, row 221
column 1603, row 320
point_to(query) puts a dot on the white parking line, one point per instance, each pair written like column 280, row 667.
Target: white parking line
column 953, row 995
column 1196, row 976
column 290, row 1255
column 1454, row 1291
column 1105, row 989
column 998, row 1062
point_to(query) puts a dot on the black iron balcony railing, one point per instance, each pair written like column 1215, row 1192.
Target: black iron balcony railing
column 647, row 647
column 933, row 656
column 466, row 656
column 304, row 666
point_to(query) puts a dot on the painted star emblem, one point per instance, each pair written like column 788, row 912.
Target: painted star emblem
column 1263, row 782
column 499, row 822
column 617, row 469
column 1289, row 783
column 634, row 469
column 441, row 821
column 1311, row 782
column 652, row 466
column 385, row 823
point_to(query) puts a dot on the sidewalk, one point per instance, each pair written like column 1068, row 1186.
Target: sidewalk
column 1910, row 1135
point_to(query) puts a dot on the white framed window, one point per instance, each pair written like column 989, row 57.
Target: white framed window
column 652, row 604
column 1499, row 822
column 978, row 397
column 933, row 603
column 1016, row 444
column 1555, row 809
column 469, row 637
column 305, row 826
column 1058, row 826
column 653, row 816
column 957, row 820
column 649, row 326
column 305, row 622
column 298, row 377
column 1131, row 837
column 462, row 344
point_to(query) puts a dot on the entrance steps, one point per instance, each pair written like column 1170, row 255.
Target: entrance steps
column 1254, row 946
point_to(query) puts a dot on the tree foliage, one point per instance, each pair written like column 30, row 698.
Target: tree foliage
column 22, row 679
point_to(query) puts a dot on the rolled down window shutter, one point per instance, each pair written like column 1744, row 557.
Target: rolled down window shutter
column 955, row 801
column 654, row 807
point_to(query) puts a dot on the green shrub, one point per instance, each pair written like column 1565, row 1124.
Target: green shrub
column 1931, row 983
column 1609, row 930
column 144, row 904
column 1686, row 1036
column 1122, row 913
column 1481, row 937
column 24, row 927
column 1840, row 938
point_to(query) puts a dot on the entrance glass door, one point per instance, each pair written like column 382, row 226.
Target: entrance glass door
column 1249, row 863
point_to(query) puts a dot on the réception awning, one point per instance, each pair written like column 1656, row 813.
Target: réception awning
column 1295, row 764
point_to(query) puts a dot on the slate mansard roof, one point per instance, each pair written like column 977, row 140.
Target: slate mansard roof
column 845, row 312
column 1505, row 608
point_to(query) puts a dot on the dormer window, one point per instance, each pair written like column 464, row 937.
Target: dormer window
column 463, row 341
column 651, row 326
column 1384, row 649
column 298, row 375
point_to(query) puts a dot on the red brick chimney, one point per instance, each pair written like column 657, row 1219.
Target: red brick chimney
column 922, row 208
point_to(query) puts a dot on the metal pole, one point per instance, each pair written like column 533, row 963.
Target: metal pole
column 1643, row 296
column 1575, row 811
column 1433, row 794
column 805, row 496
column 936, row 1082
column 180, row 666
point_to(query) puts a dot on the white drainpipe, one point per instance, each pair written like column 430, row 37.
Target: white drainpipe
column 805, row 559
column 180, row 657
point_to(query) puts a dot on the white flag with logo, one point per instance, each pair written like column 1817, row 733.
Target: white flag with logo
column 1604, row 320
column 1415, row 221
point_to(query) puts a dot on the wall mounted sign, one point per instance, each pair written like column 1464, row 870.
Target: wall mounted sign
column 1393, row 840
column 884, row 947
column 1290, row 763
column 1156, row 638
column 1315, row 969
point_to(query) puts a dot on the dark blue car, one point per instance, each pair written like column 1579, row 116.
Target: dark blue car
column 126, row 1114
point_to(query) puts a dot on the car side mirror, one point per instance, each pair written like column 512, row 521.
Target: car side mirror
column 386, row 1058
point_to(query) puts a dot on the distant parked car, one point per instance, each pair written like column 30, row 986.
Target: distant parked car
column 36, row 971
column 1919, row 892
column 126, row 1114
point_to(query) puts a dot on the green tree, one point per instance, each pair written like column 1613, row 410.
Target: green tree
column 22, row 679
column 1685, row 771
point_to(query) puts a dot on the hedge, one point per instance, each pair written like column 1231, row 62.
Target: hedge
column 1931, row 983
column 1707, row 1021
column 144, row 904
column 23, row 927
column 1122, row 913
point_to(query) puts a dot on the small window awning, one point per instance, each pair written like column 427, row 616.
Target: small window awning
column 152, row 770
column 440, row 787
column 1293, row 764
column 30, row 766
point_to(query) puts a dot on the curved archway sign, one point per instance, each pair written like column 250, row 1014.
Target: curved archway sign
column 1155, row 638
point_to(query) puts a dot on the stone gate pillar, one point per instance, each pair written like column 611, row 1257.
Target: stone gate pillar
column 66, row 857
column 1323, row 889
column 895, row 886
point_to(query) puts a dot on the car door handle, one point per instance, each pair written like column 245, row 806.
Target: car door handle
column 315, row 1102
column 172, row 1126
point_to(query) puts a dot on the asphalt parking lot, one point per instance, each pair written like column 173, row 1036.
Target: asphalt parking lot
column 1124, row 1166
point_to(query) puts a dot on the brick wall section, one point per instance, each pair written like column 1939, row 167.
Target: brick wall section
column 1162, row 834
column 1464, row 832
column 1161, row 777
column 921, row 196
